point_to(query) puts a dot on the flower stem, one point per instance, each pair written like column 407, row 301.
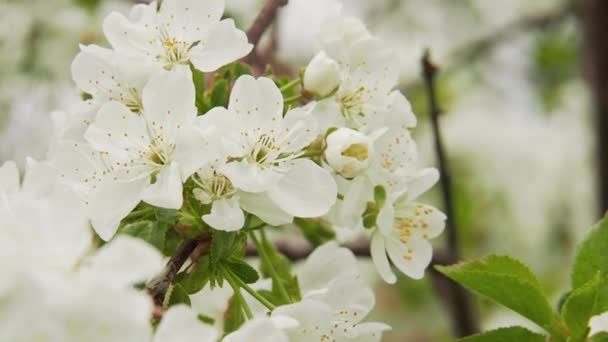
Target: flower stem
column 251, row 291
column 273, row 272
column 292, row 98
column 291, row 84
column 237, row 292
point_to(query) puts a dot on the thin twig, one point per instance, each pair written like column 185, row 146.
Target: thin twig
column 470, row 52
column 461, row 307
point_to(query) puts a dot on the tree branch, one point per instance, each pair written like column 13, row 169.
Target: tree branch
column 461, row 307
column 157, row 287
column 264, row 20
column 593, row 22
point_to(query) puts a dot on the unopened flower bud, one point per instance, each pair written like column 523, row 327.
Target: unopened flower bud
column 322, row 75
column 348, row 152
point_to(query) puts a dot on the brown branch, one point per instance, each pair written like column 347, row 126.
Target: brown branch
column 595, row 39
column 461, row 306
column 476, row 49
column 264, row 20
column 300, row 250
column 157, row 288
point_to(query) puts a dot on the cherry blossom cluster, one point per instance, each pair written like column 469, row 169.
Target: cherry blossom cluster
column 155, row 155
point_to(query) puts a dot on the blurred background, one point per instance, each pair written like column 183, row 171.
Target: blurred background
column 524, row 89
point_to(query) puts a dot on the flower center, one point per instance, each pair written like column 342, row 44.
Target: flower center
column 351, row 103
column 173, row 50
column 212, row 186
column 265, row 150
column 357, row 151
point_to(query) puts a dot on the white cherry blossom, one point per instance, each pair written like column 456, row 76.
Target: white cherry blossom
column 181, row 31
column 133, row 157
column 263, row 150
column 404, row 228
column 109, row 76
column 335, row 300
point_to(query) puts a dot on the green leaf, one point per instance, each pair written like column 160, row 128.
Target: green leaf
column 314, row 231
column 234, row 316
column 221, row 245
column 197, row 278
column 198, row 77
column 178, row 296
column 507, row 282
column 579, row 307
column 242, row 270
column 283, row 268
column 205, row 319
column 601, row 337
column 240, row 69
column 510, row 334
column 219, row 93
column 151, row 232
column 592, row 257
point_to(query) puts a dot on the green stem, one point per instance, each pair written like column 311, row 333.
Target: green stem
column 251, row 291
column 237, row 293
column 140, row 213
column 292, row 98
column 273, row 272
column 291, row 84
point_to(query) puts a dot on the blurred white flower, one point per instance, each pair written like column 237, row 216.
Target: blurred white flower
column 335, row 300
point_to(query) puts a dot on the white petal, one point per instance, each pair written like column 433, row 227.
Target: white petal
column 125, row 36
column 261, row 206
column 112, row 203
column 411, row 264
column 109, row 262
column 250, row 177
column 227, row 127
column 191, row 19
column 166, row 192
column 400, row 111
column 108, row 75
column 256, row 101
column 598, row 324
column 326, row 262
column 396, row 150
column 39, row 178
column 314, row 318
column 386, row 218
column 421, row 182
column 192, row 150
column 368, row 332
column 259, row 329
column 225, row 45
column 378, row 252
column 430, row 222
column 307, row 190
column 118, row 131
column 322, row 75
column 181, row 324
column 301, row 128
column 328, row 114
column 356, row 195
column 9, row 177
column 168, row 100
column 226, row 215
